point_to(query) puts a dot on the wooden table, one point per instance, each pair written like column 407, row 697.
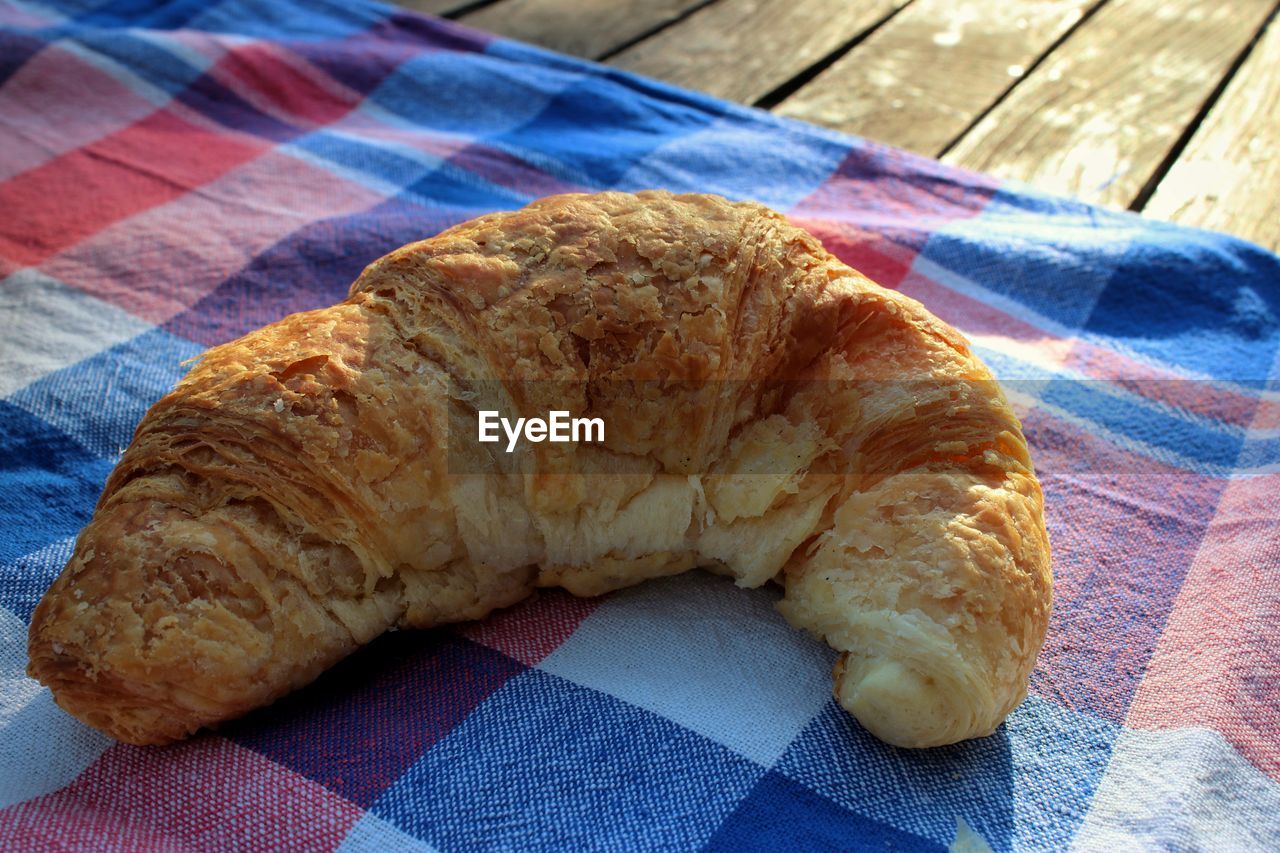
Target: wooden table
column 1168, row 107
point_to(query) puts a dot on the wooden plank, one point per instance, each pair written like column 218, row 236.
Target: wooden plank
column 743, row 49
column 1228, row 177
column 590, row 28
column 925, row 76
column 1099, row 116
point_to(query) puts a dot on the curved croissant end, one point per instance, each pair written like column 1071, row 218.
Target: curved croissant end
column 770, row 414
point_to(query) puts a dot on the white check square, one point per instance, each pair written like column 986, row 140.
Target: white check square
column 695, row 649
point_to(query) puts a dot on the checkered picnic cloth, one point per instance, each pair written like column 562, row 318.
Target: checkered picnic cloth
column 175, row 174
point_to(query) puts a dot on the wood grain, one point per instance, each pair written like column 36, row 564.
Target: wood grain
column 1098, row 117
column 925, row 76
column 743, row 49
column 590, row 28
column 1228, row 177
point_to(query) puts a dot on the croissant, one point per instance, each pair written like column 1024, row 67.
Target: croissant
column 768, row 413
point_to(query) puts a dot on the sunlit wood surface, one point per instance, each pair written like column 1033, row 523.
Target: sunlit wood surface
column 1167, row 107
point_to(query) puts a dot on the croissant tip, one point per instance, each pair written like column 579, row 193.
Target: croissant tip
column 905, row 707
column 105, row 702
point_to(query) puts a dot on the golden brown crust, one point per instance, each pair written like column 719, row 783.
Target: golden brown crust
column 770, row 414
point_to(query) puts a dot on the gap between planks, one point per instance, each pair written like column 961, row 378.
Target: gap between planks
column 592, row 29
column 748, row 50
column 929, row 74
column 1228, row 175
column 1099, row 115
column 982, row 89
column 444, row 8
